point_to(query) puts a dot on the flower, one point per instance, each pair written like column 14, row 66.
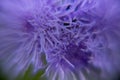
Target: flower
column 76, row 36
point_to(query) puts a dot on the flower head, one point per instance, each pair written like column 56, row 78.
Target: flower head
column 74, row 35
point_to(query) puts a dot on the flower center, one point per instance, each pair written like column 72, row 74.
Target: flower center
column 78, row 55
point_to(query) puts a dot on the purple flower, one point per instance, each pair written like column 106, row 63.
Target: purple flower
column 78, row 37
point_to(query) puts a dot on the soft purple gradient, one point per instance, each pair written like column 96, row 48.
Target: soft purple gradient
column 72, row 34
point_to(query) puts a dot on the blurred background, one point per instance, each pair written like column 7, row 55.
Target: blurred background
column 28, row 75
